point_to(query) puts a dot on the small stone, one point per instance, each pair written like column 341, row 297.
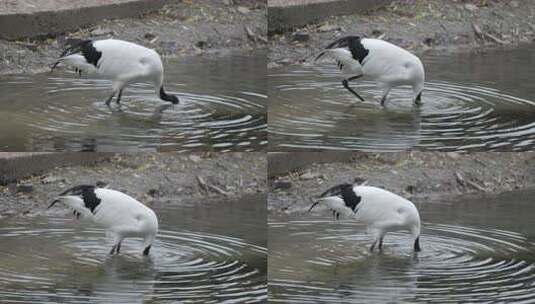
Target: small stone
column 195, row 158
column 429, row 41
column 153, row 192
column 101, row 31
column 301, row 36
column 309, row 175
column 53, row 179
column 471, row 7
column 101, row 184
column 410, row 189
column 201, row 44
column 359, row 180
column 328, row 28
column 25, row 188
column 377, row 33
column 243, row 10
column 282, row 185
column 453, row 155
column 149, row 36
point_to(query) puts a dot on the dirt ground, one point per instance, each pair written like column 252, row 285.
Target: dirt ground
column 183, row 28
column 149, row 177
column 414, row 175
column 418, row 25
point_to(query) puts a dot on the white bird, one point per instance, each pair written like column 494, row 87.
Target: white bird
column 121, row 215
column 387, row 64
column 380, row 210
column 124, row 62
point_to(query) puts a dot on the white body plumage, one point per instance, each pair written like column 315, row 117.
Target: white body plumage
column 121, row 215
column 380, row 210
column 122, row 61
column 385, row 63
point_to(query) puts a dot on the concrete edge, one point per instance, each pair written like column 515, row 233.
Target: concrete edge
column 288, row 17
column 47, row 23
column 280, row 163
column 25, row 165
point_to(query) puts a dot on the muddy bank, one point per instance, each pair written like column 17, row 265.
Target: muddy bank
column 149, row 177
column 183, row 28
column 414, row 175
column 418, row 25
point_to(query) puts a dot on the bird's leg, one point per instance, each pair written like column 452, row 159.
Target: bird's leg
column 381, row 243
column 116, row 244
column 373, row 245
column 119, row 96
column 383, row 99
column 113, row 249
column 345, row 82
column 418, row 99
column 110, row 98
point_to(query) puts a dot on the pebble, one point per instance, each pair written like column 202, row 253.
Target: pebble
column 301, row 36
column 282, row 185
column 310, row 175
column 101, row 31
column 471, row 7
column 243, row 10
column 153, row 192
column 201, row 44
column 328, row 28
column 195, row 158
column 25, row 188
column 53, row 179
column 149, row 36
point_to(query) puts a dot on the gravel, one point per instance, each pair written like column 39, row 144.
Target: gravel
column 415, row 175
column 164, row 177
column 417, row 25
column 183, row 28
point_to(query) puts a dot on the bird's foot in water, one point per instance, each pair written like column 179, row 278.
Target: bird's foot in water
column 383, row 102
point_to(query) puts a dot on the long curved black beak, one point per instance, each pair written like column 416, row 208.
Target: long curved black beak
column 52, row 67
column 313, row 205
column 53, row 203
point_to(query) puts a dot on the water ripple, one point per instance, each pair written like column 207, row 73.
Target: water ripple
column 44, row 264
column 216, row 112
column 310, row 109
column 457, row 265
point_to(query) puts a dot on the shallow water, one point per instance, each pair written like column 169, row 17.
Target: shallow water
column 200, row 256
column 222, row 108
column 474, row 249
column 471, row 102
